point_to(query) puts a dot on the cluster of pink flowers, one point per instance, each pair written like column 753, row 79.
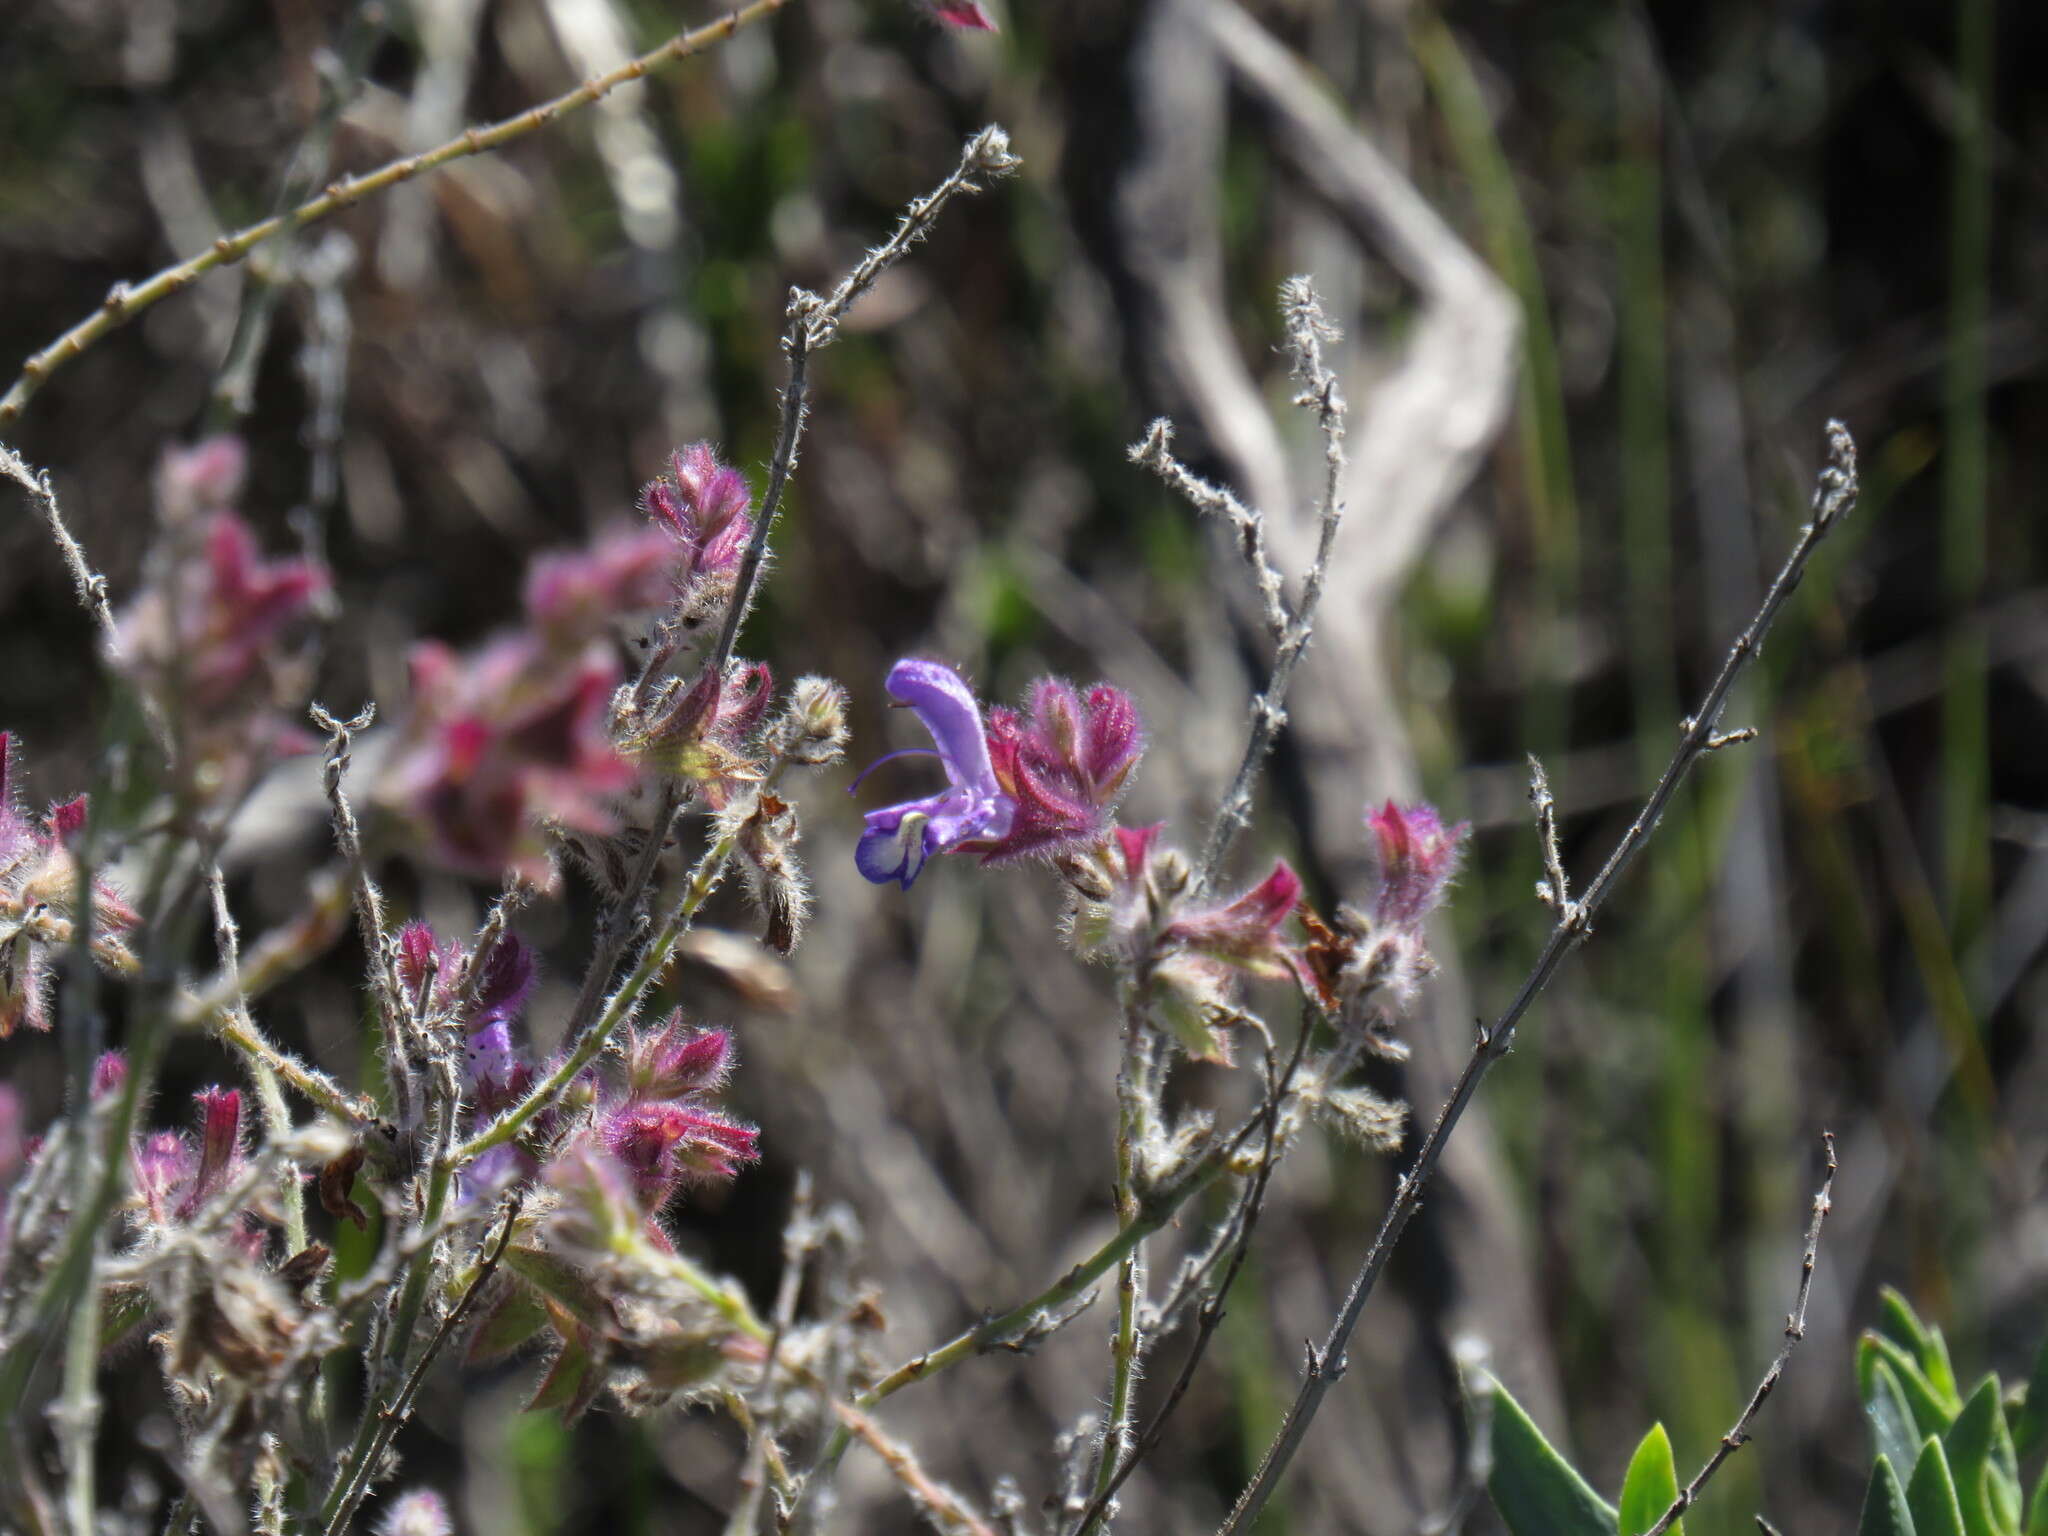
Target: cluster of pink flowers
column 39, row 884
column 175, row 1178
column 520, row 740
column 212, row 636
column 1045, row 781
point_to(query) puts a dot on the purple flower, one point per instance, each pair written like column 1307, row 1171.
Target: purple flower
column 900, row 838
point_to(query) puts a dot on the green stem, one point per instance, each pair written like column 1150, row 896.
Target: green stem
column 697, row 889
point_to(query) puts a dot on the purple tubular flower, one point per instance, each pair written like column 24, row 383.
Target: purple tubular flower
column 900, row 838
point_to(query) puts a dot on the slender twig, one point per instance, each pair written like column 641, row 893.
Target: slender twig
column 124, row 303
column 1210, row 1317
column 234, row 387
column 616, row 926
column 1028, row 1319
column 277, row 1116
column 392, row 1013
column 813, row 324
column 943, row 1506
column 1291, row 628
column 78, row 1414
column 1124, row 1346
column 390, row 1419
column 1795, row 1330
column 799, row 1238
column 697, row 888
column 92, row 587
column 1834, row 495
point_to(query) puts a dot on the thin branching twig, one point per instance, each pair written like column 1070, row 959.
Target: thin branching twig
column 390, row 1418
column 1834, row 495
column 125, row 302
column 1795, row 1330
column 1291, row 627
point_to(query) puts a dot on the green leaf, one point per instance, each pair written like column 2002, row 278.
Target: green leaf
column 562, row 1283
column 1897, row 1321
column 1980, row 1455
column 2037, row 1513
column 513, row 1320
column 1534, row 1488
column 1891, row 1421
column 1651, row 1486
column 1924, row 1346
column 1884, row 1504
column 1931, row 1495
column 1932, row 1414
column 2030, row 1431
column 571, row 1384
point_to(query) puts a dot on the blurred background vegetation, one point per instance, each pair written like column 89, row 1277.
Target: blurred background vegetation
column 1721, row 224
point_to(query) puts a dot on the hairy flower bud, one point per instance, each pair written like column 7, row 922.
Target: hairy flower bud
column 812, row 727
column 1418, row 857
column 677, row 1059
column 417, row 1512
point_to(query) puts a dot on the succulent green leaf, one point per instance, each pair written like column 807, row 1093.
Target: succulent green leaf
column 1932, row 1414
column 2030, row 1429
column 1897, row 1321
column 1884, row 1504
column 1931, row 1495
column 1980, row 1455
column 1651, row 1486
column 1536, row 1490
column 2037, row 1512
column 1891, row 1421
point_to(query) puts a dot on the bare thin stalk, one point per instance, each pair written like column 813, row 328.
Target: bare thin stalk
column 91, row 586
column 1210, row 1318
column 392, row 1012
column 1291, row 629
column 125, row 302
column 617, row 925
column 1124, row 1345
column 1795, row 1330
column 78, row 1413
column 1834, row 495
column 1156, row 1207
column 389, row 1419
column 697, row 889
column 943, row 1507
column 813, row 324
column 277, row 1116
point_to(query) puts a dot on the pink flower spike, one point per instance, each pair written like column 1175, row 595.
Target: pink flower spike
column 161, row 1165
column 676, row 1060
column 1066, row 767
column 109, row 1074
column 220, row 1142
column 66, row 820
column 207, row 477
column 1418, row 858
column 704, row 505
